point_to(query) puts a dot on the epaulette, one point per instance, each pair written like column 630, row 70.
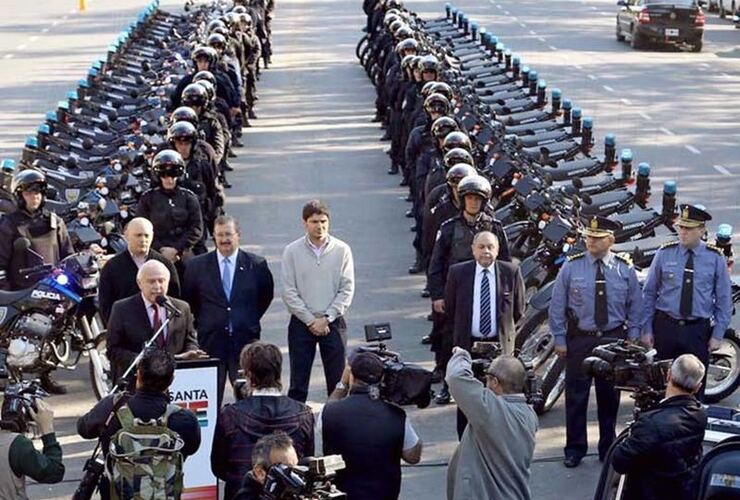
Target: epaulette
column 576, row 256
column 625, row 257
column 669, row 244
column 449, row 221
column 715, row 248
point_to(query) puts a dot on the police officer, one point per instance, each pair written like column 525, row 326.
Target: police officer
column 46, row 232
column 454, row 245
column 173, row 211
column 199, row 174
column 195, row 97
column 596, row 300
column 687, row 294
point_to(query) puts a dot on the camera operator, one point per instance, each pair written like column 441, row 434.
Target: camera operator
column 263, row 411
column 154, row 375
column 664, row 447
column 19, row 458
column 271, row 449
column 495, row 451
column 371, row 435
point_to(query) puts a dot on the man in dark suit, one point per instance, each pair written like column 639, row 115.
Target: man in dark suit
column 484, row 298
column 134, row 320
column 229, row 290
column 118, row 276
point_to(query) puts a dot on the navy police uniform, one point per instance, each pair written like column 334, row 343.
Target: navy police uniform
column 687, row 295
column 594, row 302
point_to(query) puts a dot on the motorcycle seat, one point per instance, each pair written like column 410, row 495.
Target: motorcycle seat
column 9, row 298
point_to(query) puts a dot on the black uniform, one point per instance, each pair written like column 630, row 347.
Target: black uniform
column 49, row 238
column 201, row 180
column 175, row 215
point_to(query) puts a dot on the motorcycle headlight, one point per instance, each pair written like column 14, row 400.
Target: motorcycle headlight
column 62, row 279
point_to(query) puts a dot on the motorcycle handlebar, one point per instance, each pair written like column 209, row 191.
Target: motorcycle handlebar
column 41, row 268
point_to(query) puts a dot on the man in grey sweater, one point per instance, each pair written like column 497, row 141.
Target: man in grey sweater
column 493, row 457
column 318, row 285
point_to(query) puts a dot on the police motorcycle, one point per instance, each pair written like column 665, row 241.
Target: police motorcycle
column 52, row 324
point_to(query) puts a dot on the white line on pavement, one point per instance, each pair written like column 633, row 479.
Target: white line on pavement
column 21, row 46
column 722, row 170
column 33, row 38
column 523, row 25
column 605, row 13
column 45, row 30
column 644, row 115
column 532, row 32
column 593, row 8
column 506, row 12
column 8, row 56
column 499, row 6
column 541, row 38
column 692, row 149
column 608, row 88
column 514, row 18
column 592, row 77
column 552, row 47
column 666, row 131
column 626, row 101
column 578, row 66
column 64, row 18
column 726, row 75
column 705, row 65
column 54, row 23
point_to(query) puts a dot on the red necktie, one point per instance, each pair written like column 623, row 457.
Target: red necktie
column 156, row 325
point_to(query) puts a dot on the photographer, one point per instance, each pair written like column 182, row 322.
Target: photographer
column 19, row 458
column 371, row 435
column 664, row 447
column 263, row 411
column 150, row 401
column 495, row 452
column 271, row 449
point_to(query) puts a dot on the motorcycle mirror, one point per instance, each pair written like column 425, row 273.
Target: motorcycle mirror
column 21, row 245
column 586, row 199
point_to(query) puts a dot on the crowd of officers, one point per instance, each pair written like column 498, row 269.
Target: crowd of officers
column 684, row 306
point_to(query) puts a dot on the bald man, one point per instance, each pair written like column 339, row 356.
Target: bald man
column 118, row 277
column 134, row 320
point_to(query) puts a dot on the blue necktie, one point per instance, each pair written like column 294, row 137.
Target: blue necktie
column 226, row 278
column 485, row 305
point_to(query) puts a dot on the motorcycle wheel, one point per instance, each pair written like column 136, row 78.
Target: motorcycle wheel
column 553, row 383
column 99, row 365
column 611, row 483
column 723, row 377
column 361, row 46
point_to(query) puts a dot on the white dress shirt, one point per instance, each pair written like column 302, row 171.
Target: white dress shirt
column 232, row 263
column 150, row 314
column 475, row 323
column 318, row 251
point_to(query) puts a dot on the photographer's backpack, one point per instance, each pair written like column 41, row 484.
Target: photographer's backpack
column 144, row 461
column 718, row 477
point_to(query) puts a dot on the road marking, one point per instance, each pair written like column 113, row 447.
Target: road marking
column 8, row 56
column 55, row 23
column 45, row 30
column 499, row 6
column 64, row 18
column 726, row 75
column 506, row 12
column 552, row 47
column 578, row 66
column 692, row 149
column 644, row 115
column 722, row 170
column 531, row 32
column 592, row 77
column 593, row 8
column 523, row 25
column 21, row 46
column 626, row 101
column 608, row 88
column 541, row 38
column 705, row 65
column 514, row 18
column 33, row 38
column 666, row 131
column 605, row 13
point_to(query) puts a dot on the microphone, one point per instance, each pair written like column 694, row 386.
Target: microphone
column 162, row 301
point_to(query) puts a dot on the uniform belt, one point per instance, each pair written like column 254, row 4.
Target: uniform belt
column 614, row 332
column 679, row 322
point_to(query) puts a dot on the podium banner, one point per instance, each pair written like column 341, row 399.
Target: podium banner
column 195, row 388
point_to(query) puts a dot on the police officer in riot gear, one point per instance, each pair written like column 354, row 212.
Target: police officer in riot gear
column 195, row 96
column 46, row 231
column 204, row 59
column 454, row 245
column 173, row 210
column 199, row 176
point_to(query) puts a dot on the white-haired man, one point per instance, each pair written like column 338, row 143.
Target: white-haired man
column 664, row 447
column 134, row 320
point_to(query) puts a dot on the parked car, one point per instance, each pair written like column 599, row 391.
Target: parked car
column 674, row 22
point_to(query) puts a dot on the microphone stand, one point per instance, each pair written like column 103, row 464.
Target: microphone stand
column 94, row 467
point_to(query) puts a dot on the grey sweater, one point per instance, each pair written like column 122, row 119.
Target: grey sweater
column 493, row 457
column 315, row 286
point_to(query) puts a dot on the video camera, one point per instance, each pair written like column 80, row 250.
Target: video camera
column 403, row 383
column 632, row 368
column 485, row 352
column 19, row 397
column 310, row 481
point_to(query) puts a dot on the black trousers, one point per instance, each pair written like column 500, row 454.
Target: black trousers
column 230, row 367
column 577, row 390
column 302, row 350
column 673, row 339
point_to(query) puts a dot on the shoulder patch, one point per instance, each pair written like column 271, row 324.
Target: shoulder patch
column 625, row 257
column 716, row 249
column 669, row 244
column 576, row 256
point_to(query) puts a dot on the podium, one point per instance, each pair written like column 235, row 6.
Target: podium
column 195, row 387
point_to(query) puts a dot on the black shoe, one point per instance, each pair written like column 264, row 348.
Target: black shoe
column 426, row 340
column 51, row 386
column 247, row 125
column 415, row 269
column 410, row 214
column 232, row 154
column 227, row 168
column 251, row 115
column 443, row 398
column 437, row 376
column 430, row 317
column 376, row 119
column 409, row 198
column 393, row 170
column 425, row 293
column 236, row 143
column 386, row 137
column 413, row 229
column 226, row 184
column 572, row 462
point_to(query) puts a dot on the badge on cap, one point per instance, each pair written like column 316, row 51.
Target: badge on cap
column 594, row 223
column 685, row 213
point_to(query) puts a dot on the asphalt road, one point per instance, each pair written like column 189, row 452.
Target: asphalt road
column 314, row 139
